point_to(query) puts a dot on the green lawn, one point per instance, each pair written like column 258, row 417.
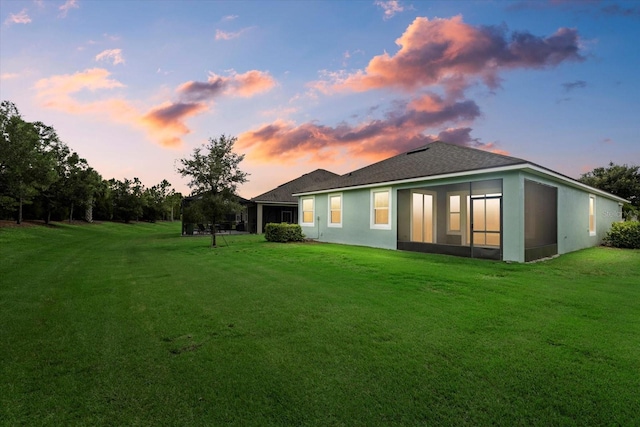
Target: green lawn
column 113, row 324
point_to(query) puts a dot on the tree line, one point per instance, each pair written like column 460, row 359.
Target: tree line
column 42, row 178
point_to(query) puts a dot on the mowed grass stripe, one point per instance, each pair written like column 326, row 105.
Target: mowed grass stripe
column 131, row 324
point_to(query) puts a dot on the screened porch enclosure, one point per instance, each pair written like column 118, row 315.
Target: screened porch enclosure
column 462, row 219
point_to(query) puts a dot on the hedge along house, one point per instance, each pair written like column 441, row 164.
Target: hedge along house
column 449, row 199
column 278, row 205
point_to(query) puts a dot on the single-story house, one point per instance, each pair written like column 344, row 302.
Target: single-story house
column 278, row 205
column 450, row 199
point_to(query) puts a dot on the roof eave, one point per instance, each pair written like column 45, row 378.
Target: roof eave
column 520, row 166
column 410, row 180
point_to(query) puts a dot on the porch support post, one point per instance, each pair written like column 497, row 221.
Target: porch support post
column 259, row 219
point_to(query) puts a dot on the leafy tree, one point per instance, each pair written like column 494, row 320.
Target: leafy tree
column 27, row 165
column 103, row 201
column 172, row 204
column 215, row 174
column 83, row 185
column 158, row 201
column 621, row 180
column 127, row 199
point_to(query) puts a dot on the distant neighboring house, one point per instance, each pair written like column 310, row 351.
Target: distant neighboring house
column 449, row 199
column 278, row 205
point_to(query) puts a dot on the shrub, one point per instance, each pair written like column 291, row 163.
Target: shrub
column 283, row 233
column 624, row 235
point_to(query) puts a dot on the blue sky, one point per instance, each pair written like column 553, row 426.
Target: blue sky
column 132, row 86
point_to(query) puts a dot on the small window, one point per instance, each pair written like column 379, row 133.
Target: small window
column 381, row 209
column 308, row 211
column 592, row 215
column 335, row 210
column 454, row 213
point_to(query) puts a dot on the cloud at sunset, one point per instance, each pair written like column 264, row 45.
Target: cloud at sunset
column 398, row 130
column 389, row 7
column 56, row 91
column 246, row 85
column 230, row 35
column 67, row 6
column 437, row 59
column 113, row 55
column 451, row 53
column 18, row 18
column 164, row 123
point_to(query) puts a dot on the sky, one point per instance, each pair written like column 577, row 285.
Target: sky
column 134, row 86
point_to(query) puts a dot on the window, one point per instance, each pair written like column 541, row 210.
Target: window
column 454, row 213
column 335, row 210
column 381, row 209
column 592, row 215
column 422, row 213
column 308, row 211
column 486, row 221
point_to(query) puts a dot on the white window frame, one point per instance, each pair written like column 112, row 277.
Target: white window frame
column 460, row 212
column 329, row 210
column 592, row 202
column 372, row 214
column 313, row 212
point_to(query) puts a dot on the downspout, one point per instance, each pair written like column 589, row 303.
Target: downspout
column 318, row 238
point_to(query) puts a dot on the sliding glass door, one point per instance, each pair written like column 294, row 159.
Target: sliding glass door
column 422, row 218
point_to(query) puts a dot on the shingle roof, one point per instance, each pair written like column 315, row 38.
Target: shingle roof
column 436, row 158
column 283, row 193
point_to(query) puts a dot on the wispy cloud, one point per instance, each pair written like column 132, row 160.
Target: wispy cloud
column 229, row 17
column 67, row 6
column 114, row 55
column 229, row 35
column 578, row 84
column 9, row 76
column 389, row 7
column 21, row 17
column 616, row 9
column 56, row 90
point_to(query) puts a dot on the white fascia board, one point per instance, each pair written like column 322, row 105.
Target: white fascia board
column 523, row 167
column 275, row 203
column 573, row 183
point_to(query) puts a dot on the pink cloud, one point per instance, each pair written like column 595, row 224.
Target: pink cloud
column 18, row 18
column 390, row 7
column 246, row 85
column 451, row 53
column 399, row 130
column 67, row 6
column 167, row 121
column 164, row 123
column 56, row 91
column 114, row 55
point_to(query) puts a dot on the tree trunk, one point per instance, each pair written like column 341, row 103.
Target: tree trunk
column 20, row 210
column 71, row 213
column 88, row 213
